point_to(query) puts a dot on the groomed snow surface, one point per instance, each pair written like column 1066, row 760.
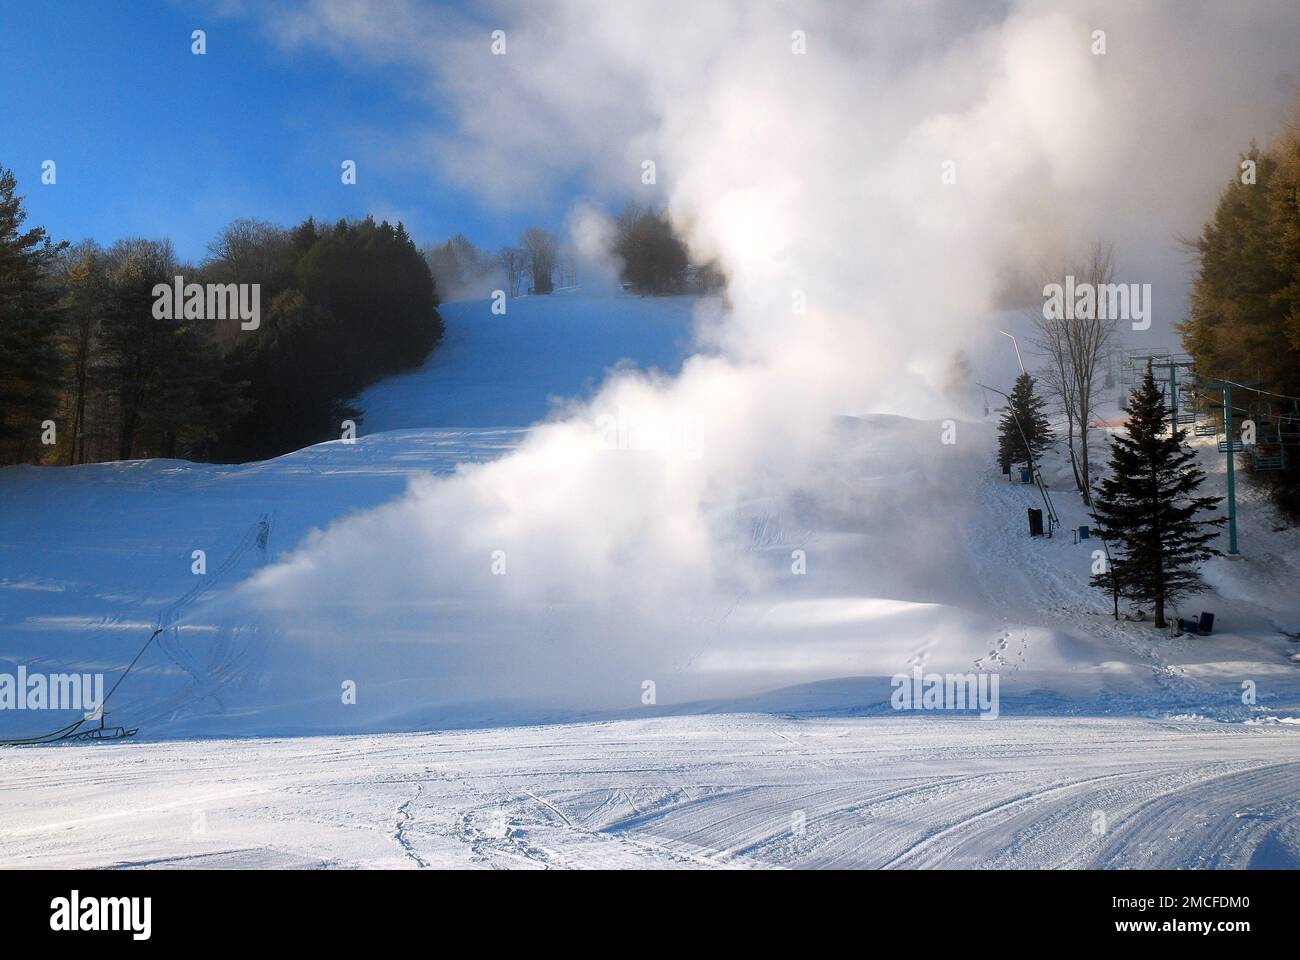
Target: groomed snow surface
column 740, row 790
column 1117, row 746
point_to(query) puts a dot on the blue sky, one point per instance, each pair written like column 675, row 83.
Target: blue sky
column 151, row 140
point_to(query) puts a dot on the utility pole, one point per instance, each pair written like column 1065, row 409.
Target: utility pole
column 1173, row 396
column 1232, row 471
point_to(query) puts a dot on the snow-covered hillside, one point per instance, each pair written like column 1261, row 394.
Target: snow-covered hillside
column 505, row 370
column 772, row 741
column 916, row 557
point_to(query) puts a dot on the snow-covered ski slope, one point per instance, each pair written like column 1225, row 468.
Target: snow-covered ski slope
column 918, row 558
column 504, row 370
column 739, row 790
column 774, row 704
column 92, row 556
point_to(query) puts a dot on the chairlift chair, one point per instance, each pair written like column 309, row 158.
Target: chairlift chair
column 1270, row 457
column 1202, row 423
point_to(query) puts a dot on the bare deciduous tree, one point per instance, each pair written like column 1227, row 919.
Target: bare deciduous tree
column 511, row 260
column 1076, row 349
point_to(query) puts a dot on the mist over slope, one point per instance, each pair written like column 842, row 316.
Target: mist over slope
column 912, row 554
column 870, row 184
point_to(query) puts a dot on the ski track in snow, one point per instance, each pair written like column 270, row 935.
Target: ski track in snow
column 716, row 791
column 404, row 817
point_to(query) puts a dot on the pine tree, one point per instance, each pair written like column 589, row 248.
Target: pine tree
column 1024, row 431
column 29, row 314
column 1147, row 510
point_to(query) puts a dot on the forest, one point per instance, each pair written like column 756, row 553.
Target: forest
column 123, row 352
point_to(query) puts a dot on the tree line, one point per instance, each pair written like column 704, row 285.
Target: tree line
column 1244, row 321
column 537, row 264
column 654, row 261
column 92, row 369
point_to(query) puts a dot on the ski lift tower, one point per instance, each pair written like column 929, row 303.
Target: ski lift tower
column 1170, row 364
column 1230, row 446
column 1173, row 362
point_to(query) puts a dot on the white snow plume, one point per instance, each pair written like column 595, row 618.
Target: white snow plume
column 593, row 236
column 818, row 181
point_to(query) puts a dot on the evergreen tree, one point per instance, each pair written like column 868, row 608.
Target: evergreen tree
column 30, row 361
column 1244, row 321
column 655, row 261
column 1147, row 509
column 1024, row 431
